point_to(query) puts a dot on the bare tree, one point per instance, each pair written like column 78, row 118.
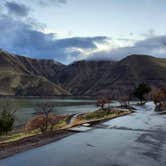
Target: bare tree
column 124, row 101
column 159, row 99
column 38, row 122
column 101, row 103
column 44, row 109
column 159, row 96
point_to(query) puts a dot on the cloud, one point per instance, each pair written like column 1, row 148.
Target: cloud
column 50, row 2
column 155, row 46
column 25, row 39
column 17, row 9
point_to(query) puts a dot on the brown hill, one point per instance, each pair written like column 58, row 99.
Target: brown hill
column 113, row 78
column 27, row 77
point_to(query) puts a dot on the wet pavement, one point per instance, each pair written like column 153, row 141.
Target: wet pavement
column 138, row 139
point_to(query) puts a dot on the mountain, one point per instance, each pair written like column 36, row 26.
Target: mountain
column 28, row 77
column 112, row 78
column 80, row 77
column 38, row 77
column 42, row 67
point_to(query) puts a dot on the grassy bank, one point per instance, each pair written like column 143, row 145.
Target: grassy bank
column 21, row 141
column 22, row 133
column 99, row 115
column 90, row 117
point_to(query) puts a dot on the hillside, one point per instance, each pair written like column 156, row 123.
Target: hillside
column 32, row 77
column 113, row 78
column 80, row 77
column 27, row 77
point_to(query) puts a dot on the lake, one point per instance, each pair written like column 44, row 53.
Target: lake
column 26, row 107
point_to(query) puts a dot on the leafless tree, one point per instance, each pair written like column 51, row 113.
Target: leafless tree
column 159, row 96
column 102, row 102
column 44, row 109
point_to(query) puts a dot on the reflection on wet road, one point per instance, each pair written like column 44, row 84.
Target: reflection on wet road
column 138, row 139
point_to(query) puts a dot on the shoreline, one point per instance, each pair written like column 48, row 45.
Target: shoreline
column 47, row 97
column 35, row 141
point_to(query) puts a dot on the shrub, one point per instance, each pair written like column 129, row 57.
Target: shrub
column 7, row 116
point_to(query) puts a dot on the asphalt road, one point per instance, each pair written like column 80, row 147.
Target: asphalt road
column 138, row 139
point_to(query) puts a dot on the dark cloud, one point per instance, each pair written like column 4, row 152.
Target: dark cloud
column 155, row 46
column 26, row 40
column 17, row 9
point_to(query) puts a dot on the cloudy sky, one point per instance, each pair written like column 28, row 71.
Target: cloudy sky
column 71, row 30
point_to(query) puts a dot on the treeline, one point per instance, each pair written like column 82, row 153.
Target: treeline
column 143, row 93
column 139, row 93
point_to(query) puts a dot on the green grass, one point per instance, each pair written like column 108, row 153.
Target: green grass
column 18, row 136
column 100, row 114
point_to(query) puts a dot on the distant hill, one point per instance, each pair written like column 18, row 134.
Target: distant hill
column 21, row 76
column 81, row 77
column 32, row 77
column 113, row 78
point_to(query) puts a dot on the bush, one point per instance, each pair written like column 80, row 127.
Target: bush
column 39, row 122
column 7, row 117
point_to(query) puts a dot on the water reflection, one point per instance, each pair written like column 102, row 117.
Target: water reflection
column 26, row 107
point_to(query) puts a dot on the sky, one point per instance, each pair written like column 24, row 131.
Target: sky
column 72, row 30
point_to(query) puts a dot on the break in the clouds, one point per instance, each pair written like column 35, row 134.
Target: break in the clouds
column 154, row 45
column 17, row 9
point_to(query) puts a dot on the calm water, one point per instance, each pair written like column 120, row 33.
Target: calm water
column 26, row 107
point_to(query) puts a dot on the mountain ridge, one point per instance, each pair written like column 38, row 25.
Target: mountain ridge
column 114, row 77
column 85, row 78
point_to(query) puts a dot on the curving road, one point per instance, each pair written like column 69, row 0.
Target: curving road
column 138, row 139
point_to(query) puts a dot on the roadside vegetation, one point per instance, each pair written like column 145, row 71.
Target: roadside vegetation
column 102, row 114
column 7, row 117
column 159, row 98
column 46, row 120
column 141, row 91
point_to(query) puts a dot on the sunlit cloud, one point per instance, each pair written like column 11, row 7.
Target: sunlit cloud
column 155, row 46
